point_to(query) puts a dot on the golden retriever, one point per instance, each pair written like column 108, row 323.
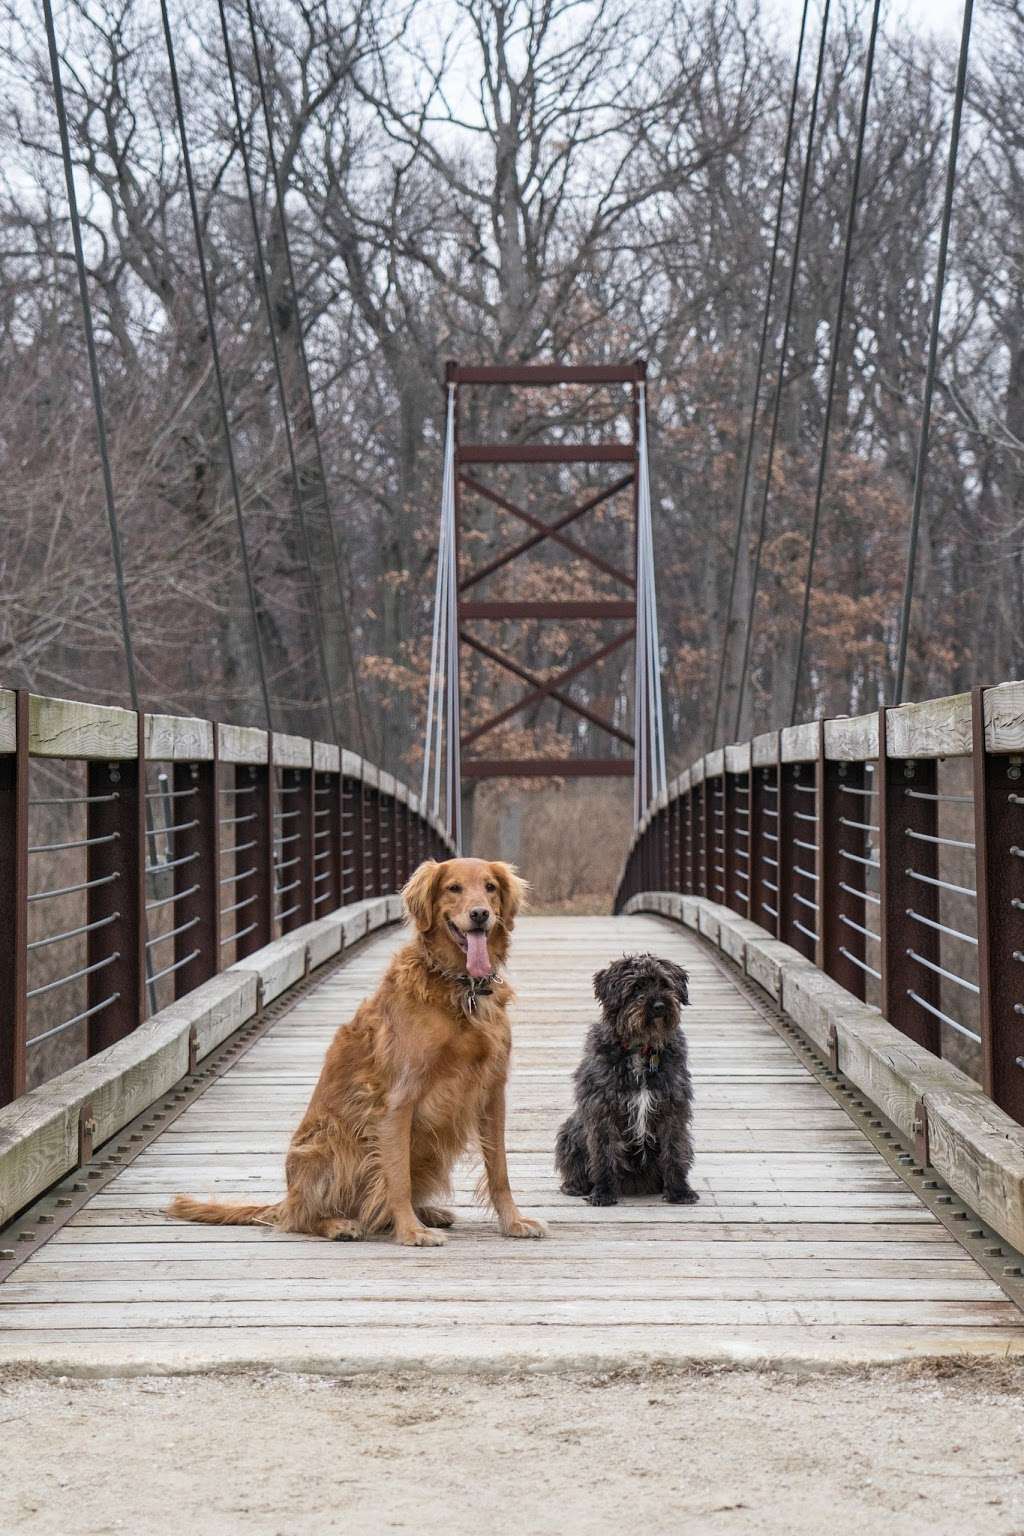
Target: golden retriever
column 418, row 1074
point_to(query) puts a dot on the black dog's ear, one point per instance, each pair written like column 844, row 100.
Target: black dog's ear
column 603, row 985
column 678, row 980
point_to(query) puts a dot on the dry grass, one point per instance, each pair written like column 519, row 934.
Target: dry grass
column 569, row 839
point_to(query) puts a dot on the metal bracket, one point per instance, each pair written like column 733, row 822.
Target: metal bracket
column 193, row 1049
column 922, row 1150
column 86, row 1133
column 833, row 1047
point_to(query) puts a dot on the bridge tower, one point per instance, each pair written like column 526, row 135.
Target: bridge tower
column 468, row 615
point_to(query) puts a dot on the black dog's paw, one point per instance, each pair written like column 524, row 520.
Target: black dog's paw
column 684, row 1196
column 582, row 1190
column 602, row 1197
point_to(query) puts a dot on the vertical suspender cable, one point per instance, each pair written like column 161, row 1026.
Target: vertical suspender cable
column 650, row 776
column 833, row 364
column 90, row 347
column 439, row 635
column 762, row 348
column 921, row 464
column 783, row 351
column 211, row 325
column 264, row 285
column 286, row 246
column 454, row 710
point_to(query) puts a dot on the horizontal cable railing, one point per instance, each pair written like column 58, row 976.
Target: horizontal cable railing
column 886, row 848
column 140, row 856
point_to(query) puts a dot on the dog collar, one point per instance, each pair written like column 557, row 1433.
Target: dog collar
column 642, row 1060
column 471, row 987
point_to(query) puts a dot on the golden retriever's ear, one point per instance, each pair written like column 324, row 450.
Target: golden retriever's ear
column 513, row 891
column 418, row 894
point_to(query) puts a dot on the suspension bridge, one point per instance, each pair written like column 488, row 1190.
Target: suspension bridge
column 190, row 907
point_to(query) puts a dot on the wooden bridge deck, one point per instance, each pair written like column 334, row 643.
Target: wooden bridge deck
column 805, row 1244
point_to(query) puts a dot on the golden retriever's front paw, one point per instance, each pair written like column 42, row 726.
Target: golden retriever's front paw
column 522, row 1226
column 420, row 1237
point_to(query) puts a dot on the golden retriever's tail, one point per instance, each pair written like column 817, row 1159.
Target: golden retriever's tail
column 222, row 1214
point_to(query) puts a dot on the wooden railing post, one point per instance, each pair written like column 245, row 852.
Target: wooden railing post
column 197, row 880
column 794, row 915
column 842, row 848
column 115, row 906
column 906, row 805
column 259, row 915
column 14, row 790
column 999, row 866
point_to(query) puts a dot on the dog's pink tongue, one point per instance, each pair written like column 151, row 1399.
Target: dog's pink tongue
column 478, row 961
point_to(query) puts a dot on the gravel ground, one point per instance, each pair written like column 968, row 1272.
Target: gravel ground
column 899, row 1451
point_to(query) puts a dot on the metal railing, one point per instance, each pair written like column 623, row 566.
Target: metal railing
column 142, row 854
column 886, row 848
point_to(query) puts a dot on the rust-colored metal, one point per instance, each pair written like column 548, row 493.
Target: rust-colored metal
column 840, row 945
column 541, row 374
column 547, row 768
column 792, row 859
column 255, row 779
column 544, row 453
column 999, row 866
column 14, row 790
column 542, row 688
column 552, row 531
column 115, row 865
column 197, row 911
column 508, row 610
column 898, row 815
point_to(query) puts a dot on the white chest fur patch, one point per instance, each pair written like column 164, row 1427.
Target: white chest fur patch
column 639, row 1113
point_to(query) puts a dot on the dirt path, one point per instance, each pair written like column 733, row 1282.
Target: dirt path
column 898, row 1452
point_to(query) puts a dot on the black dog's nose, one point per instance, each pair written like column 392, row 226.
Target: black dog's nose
column 480, row 916
column 659, row 1008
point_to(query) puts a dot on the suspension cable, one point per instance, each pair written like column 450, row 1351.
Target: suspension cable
column 921, row 463
column 762, row 349
column 211, row 325
column 833, row 364
column 90, row 347
column 286, row 246
column 264, row 285
column 783, row 351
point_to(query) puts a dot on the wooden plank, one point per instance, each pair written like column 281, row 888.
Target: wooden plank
column 1004, row 718
column 8, row 726
column 178, row 739
column 804, row 1245
column 799, row 743
column 242, row 744
column 69, row 729
column 934, row 728
column 852, row 739
column 292, row 751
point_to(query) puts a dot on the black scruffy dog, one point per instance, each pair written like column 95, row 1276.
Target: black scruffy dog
column 630, row 1131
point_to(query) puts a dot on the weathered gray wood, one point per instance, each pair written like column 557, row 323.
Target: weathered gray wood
column 737, row 758
column 934, row 728
column 326, row 758
column 8, row 733
column 292, row 751
column 178, row 739
column 69, row 729
column 242, row 744
column 799, row 743
column 852, row 739
column 764, row 750
column 1004, row 718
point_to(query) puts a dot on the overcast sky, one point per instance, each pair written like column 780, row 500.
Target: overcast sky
column 942, row 16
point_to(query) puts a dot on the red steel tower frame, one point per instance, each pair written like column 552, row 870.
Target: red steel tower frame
column 624, row 456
